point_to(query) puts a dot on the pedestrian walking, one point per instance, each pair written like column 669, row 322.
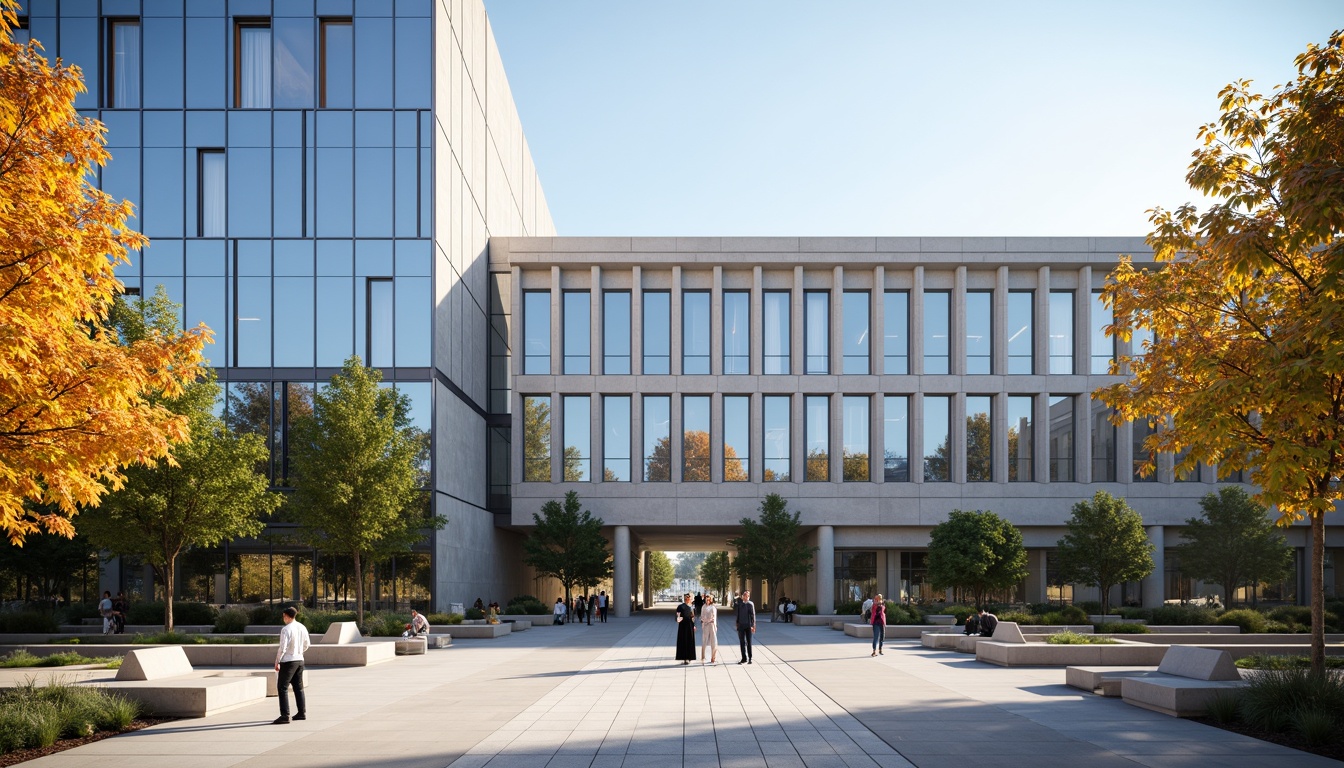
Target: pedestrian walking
column 560, row 610
column 879, row 623
column 602, row 606
column 289, row 666
column 685, row 631
column 709, row 630
column 698, row 603
column 745, row 619
column 580, row 608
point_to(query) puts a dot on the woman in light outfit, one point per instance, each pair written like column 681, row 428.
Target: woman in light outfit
column 709, row 636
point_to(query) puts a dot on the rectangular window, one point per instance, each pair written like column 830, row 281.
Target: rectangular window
column 252, row 64
column 777, row 438
column 776, row 310
column 1185, row 475
column 817, row 332
column 578, row 411
column 1103, row 443
column 616, row 439
column 736, row 438
column 979, row 439
column 937, row 444
column 854, row 345
column 854, row 423
column 979, row 331
column 657, row 438
column 212, row 178
column 1103, row 346
column 695, row 333
column 896, row 439
column 21, row 34
column 537, row 439
column 337, row 64
column 1140, row 340
column 577, row 322
column 1020, row 436
column 616, row 332
column 1061, row 439
column 1020, row 353
column 817, row 435
column 937, row 331
column 1061, row 332
column 657, row 332
column 736, row 332
column 1142, row 456
column 537, row 332
column 378, row 344
column 123, row 64
column 896, row 334
column 695, row 439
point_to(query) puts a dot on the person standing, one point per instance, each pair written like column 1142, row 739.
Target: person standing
column 709, row 630
column 602, row 606
column 580, row 608
column 685, row 631
column 289, row 666
column 745, row 619
column 560, row 610
column 105, row 610
column 879, row 623
column 698, row 603
column 120, row 607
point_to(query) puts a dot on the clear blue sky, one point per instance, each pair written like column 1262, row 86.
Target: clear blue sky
column 880, row 118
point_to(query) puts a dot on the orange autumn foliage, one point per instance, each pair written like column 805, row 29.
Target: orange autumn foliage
column 75, row 405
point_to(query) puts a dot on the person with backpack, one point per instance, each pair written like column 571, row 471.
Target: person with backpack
column 879, row 622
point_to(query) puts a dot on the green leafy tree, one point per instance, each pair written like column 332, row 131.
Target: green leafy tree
column 206, row 493
column 51, row 562
column 660, row 571
column 1234, row 543
column 354, row 465
column 1248, row 307
column 771, row 548
column 1105, row 545
column 716, row 571
column 688, row 564
column 976, row 551
column 566, row 543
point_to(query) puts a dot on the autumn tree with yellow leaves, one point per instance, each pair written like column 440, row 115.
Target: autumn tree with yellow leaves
column 1247, row 311
column 74, row 400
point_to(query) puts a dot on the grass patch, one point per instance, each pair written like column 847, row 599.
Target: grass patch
column 1225, row 708
column 34, row 715
column 1120, row 628
column 185, row 638
column 22, row 658
column 1074, row 638
column 1295, row 700
column 1260, row 661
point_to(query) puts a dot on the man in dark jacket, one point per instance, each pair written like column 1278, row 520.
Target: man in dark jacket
column 988, row 622
column 745, row 614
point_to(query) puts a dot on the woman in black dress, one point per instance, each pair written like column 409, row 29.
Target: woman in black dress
column 685, row 631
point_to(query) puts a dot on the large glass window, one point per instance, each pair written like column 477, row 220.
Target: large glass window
column 578, row 411
column 817, row 435
column 896, row 333
column 252, row 303
column 1020, row 435
column 776, row 311
column 937, row 443
column 537, row 332
column 855, row 575
column 896, row 439
column 1142, row 456
column 1061, row 438
column 736, row 438
column 979, row 331
column 854, row 423
column 123, row 64
column 736, row 332
column 657, row 332
column 1103, row 443
column 577, row 322
column 213, row 193
column 378, row 344
column 817, row 332
column 252, row 64
column 1019, row 332
column 337, row 64
column 616, row 439
column 915, row 577
column 695, row 439
column 1061, row 332
column 537, row 439
column 695, row 333
column 657, row 438
column 616, row 332
column 937, row 331
column 1103, row 346
column 979, row 439
column 854, row 345
column 777, row 438
column 293, row 64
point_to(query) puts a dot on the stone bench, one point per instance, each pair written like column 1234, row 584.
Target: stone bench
column 839, row 624
column 269, row 675
column 517, row 625
column 1005, row 632
column 1185, row 682
column 481, row 631
column 410, row 646
column 1122, row 654
column 859, row 630
column 164, row 683
column 815, row 620
column 439, row 641
column 1105, row 679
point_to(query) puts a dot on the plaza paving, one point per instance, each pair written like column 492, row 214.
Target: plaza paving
column 609, row 696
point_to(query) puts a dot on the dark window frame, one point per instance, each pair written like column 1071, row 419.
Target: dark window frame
column 239, row 22
column 322, row 24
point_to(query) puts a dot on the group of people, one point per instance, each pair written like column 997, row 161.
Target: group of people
column 582, row 608
column 113, row 610
column 982, row 623
column 787, row 607
column 702, row 615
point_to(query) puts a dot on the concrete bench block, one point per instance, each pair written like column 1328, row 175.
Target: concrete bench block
column 943, row 640
column 269, row 675
column 439, row 641
column 815, row 620
column 517, row 625
column 1008, row 632
column 1175, row 696
column 839, row 624
column 411, row 646
column 341, row 633
column 535, row 619
column 1091, row 678
column 943, row 619
column 1188, row 629
column 191, row 697
column 1198, row 664
column 859, row 630
column 1047, row 655
column 154, row 664
column 351, row 655
column 481, row 631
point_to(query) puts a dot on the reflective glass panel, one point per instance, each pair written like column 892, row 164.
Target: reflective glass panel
column 1141, row 431
column 896, row 334
column 1103, row 443
column 123, row 67
column 979, row 331
column 776, row 311
column 578, row 439
column 736, row 332
column 1020, row 436
column 817, row 333
column 657, row 438
column 937, row 331
column 937, row 444
column 205, row 304
column 854, row 419
column 536, row 439
column 373, row 192
column 1061, row 332
column 695, row 439
column 537, row 332
column 736, row 438
column 1019, row 332
column 253, row 65
column 1103, row 346
column 657, row 332
column 335, row 192
column 207, row 58
column 577, row 322
column 414, row 63
column 817, row 436
column 249, row 207
column 373, row 76
column 337, row 43
column 616, row 439
column 380, row 313
column 979, row 440
column 293, row 63
column 854, row 345
column 1061, row 439
column 213, row 193
column 335, row 320
column 413, row 321
column 777, row 439
column 253, row 305
column 616, row 333
column 695, row 333
column 294, row 321
column 164, row 63
column 896, row 438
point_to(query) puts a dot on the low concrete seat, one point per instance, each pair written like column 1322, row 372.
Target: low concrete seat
column 439, row 641
column 481, row 631
column 156, row 663
column 411, row 646
column 340, row 633
column 859, row 630
column 163, row 681
column 269, row 675
column 1186, row 681
column 1091, row 679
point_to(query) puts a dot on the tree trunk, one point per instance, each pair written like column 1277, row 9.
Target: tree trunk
column 1105, row 599
column 1318, row 594
column 359, row 590
column 169, row 572
column 569, row 616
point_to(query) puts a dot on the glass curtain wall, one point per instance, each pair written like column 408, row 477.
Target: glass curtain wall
column 536, row 332
column 896, row 438
column 657, row 332
column 896, row 332
column 1061, row 439
column 1142, row 429
column 657, row 438
column 817, row 332
column 777, row 438
column 854, row 345
column 616, row 438
column 979, row 331
column 537, row 439
column 775, row 311
column 979, row 439
column 937, row 332
column 736, row 332
column 1061, row 332
column 578, row 411
column 1103, row 346
column 736, row 438
column 1103, row 444
column 578, row 322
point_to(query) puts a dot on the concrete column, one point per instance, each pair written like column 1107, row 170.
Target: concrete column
column 596, row 343
column 636, row 437
column 877, row 436
column 677, row 449
column 109, row 576
column 1040, row 438
column 756, row 439
column 596, row 439
column 877, row 333
column 797, row 439
column 648, row 582
column 1082, row 324
column 837, row 438
column 796, row 329
column 999, row 437
column 1124, row 452
column 1082, row 439
column 916, row 458
column 557, row 438
column 557, row 331
column 294, row 579
column 1037, row 585
column 893, row 576
column 716, row 323
column 147, row 590
column 835, row 334
column 221, row 583
column 957, row 328
column 757, row 315
column 825, row 569
column 917, row 322
column 1040, row 343
column 1154, row 586
column 998, row 352
column 620, row 580
column 675, row 322
column 716, row 437
column 636, row 322
column 956, row 435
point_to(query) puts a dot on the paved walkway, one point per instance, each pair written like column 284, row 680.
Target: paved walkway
column 608, row 696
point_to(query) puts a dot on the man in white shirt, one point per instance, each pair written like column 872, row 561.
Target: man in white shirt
column 560, row 610
column 419, row 624
column 289, row 666
column 602, row 606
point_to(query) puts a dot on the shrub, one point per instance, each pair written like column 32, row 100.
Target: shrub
column 523, row 599
column 900, row 614
column 444, row 618
column 475, row 613
column 168, row 638
column 852, row 607
column 384, row 624
column 526, row 608
column 1090, row 606
column 183, row 613
column 810, row 609
column 74, row 613
column 36, row 716
column 1022, row 618
column 262, row 614
column 1259, row 661
column 1224, row 708
column 1073, row 638
column 1276, row 699
column 1134, row 613
column 1069, row 614
column 232, row 620
column 319, row 622
column 959, row 611
column 1120, row 628
column 1251, row 622
column 28, row 622
column 1184, row 615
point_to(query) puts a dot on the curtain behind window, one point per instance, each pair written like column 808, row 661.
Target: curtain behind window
column 213, row 194
column 254, row 66
column 125, row 64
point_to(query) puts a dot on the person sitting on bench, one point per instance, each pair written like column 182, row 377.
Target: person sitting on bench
column 988, row 622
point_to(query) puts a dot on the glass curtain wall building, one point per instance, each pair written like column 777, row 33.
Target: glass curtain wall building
column 318, row 179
